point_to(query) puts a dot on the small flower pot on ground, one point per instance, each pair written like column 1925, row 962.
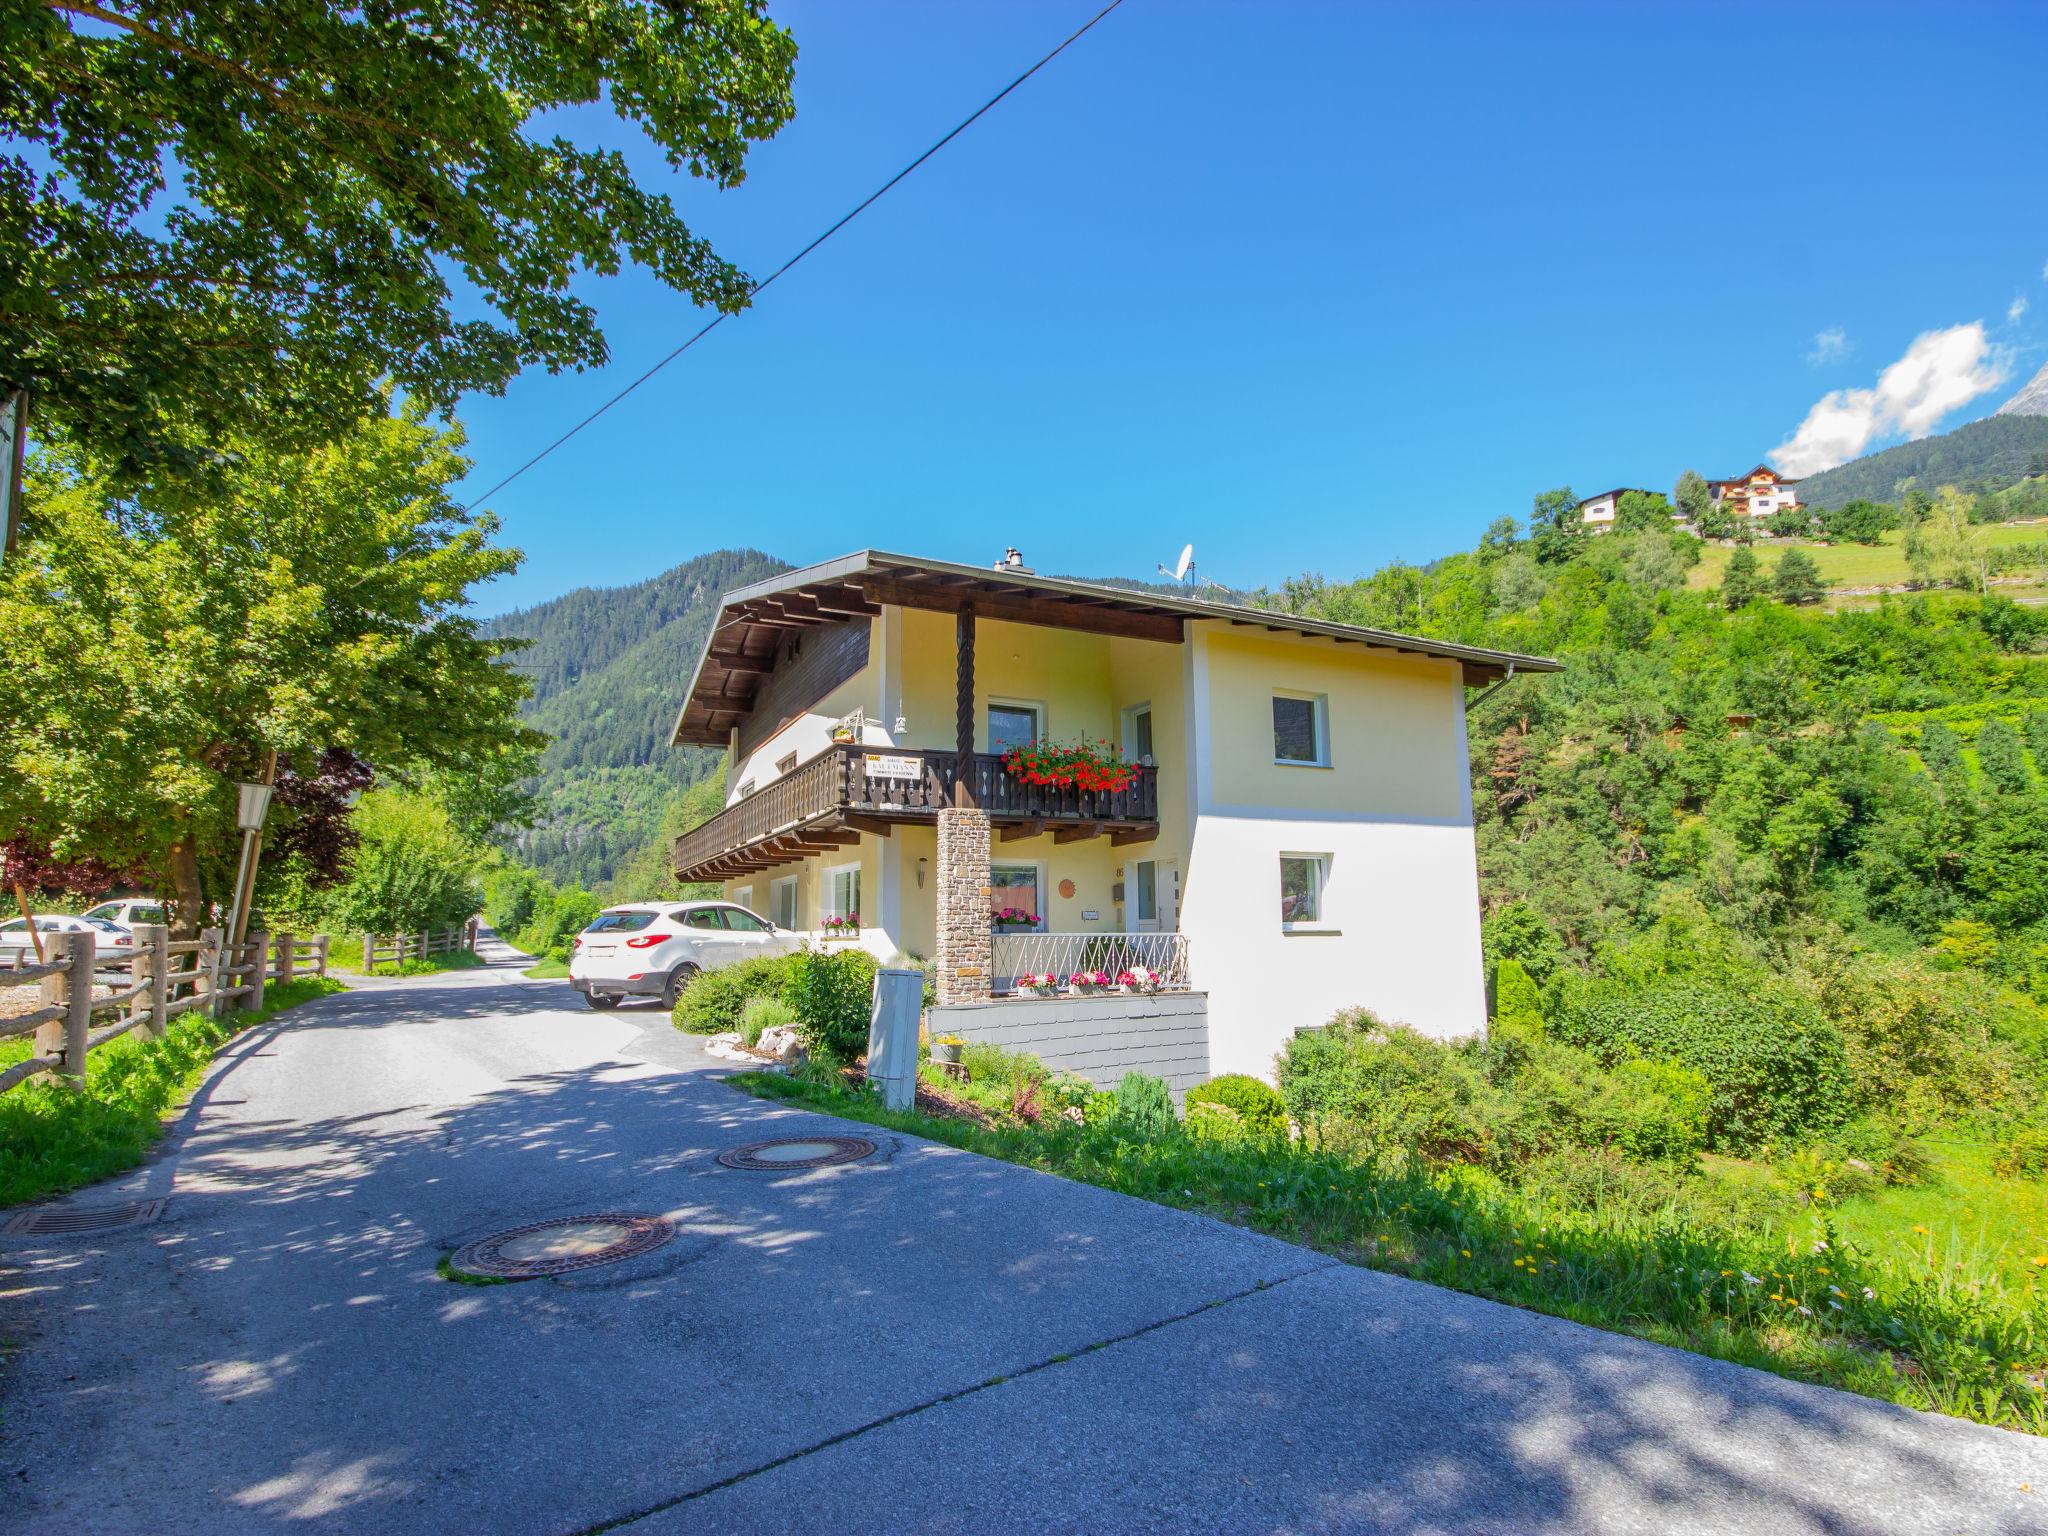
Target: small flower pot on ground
column 946, row 1050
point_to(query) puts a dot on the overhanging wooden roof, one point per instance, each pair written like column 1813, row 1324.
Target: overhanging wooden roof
column 752, row 621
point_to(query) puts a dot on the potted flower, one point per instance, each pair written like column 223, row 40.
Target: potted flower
column 847, row 927
column 1039, row 984
column 1082, row 983
column 1012, row 917
column 1090, row 765
column 1137, row 979
column 946, row 1050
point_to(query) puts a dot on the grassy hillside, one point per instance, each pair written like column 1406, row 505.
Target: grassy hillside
column 1859, row 565
column 1985, row 455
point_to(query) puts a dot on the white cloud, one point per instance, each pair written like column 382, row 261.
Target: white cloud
column 1939, row 371
column 1829, row 346
column 2017, row 308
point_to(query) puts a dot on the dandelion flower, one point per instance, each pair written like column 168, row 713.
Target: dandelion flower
column 1464, row 1253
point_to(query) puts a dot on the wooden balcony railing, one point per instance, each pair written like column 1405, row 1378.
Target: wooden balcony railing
column 902, row 784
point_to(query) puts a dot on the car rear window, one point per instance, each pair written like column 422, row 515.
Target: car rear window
column 620, row 922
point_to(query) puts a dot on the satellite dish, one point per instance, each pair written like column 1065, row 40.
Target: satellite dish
column 1187, row 558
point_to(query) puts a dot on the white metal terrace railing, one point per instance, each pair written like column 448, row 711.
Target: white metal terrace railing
column 1062, row 954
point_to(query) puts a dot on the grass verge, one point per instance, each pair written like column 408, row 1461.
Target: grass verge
column 428, row 965
column 547, row 970
column 54, row 1139
column 1928, row 1331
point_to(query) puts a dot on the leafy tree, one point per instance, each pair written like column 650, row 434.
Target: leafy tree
column 1517, row 1006
column 411, row 870
column 1556, row 531
column 1941, row 749
column 160, row 643
column 1741, row 585
column 1498, row 540
column 1946, row 547
column 2037, row 738
column 1642, row 512
column 1717, row 522
column 1859, row 522
column 238, row 218
column 1797, row 578
column 1695, row 502
column 1518, row 583
column 1790, row 523
column 1999, row 755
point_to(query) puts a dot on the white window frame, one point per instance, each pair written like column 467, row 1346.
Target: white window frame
column 1321, row 717
column 743, row 896
column 1137, row 892
column 1037, row 868
column 774, row 891
column 1130, row 717
column 1320, row 923
column 1038, row 713
column 828, row 883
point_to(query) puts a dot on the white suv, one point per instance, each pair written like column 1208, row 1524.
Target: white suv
column 653, row 948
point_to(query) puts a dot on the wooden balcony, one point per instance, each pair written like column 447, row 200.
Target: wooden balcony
column 847, row 790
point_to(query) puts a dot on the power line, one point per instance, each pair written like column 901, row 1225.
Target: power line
column 865, row 203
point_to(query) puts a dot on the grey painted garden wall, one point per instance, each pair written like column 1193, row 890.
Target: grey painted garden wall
column 1101, row 1038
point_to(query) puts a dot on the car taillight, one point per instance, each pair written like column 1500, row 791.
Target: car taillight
column 124, row 939
column 646, row 941
column 575, row 943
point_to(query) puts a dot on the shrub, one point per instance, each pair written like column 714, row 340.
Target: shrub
column 1776, row 1069
column 1919, row 1044
column 833, row 995
column 1364, row 1086
column 762, row 1012
column 714, row 1001
column 1257, row 1109
column 2023, row 1154
column 1517, row 1007
column 1143, row 1108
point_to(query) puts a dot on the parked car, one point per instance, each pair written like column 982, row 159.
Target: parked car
column 130, row 910
column 112, row 944
column 652, row 949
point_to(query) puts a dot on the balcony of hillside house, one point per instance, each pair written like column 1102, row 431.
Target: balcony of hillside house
column 829, row 801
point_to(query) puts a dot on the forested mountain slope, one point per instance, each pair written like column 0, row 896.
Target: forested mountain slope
column 608, row 667
column 1982, row 456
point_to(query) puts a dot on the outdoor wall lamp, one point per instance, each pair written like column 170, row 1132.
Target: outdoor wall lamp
column 920, row 871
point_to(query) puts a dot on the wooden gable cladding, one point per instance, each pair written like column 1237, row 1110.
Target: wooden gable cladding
column 809, row 665
column 1013, row 604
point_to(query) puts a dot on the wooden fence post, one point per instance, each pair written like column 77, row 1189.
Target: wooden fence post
column 72, row 987
column 258, row 960
column 320, row 954
column 152, row 964
column 206, row 969
column 369, row 952
column 425, row 940
column 469, row 931
column 287, row 958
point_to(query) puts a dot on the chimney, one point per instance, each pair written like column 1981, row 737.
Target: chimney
column 1013, row 561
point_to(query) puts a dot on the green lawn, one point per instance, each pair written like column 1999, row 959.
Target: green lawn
column 547, row 970
column 1852, row 565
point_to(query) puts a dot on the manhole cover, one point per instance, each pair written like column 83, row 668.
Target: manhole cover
column 63, row 1220
column 559, row 1246
column 798, row 1152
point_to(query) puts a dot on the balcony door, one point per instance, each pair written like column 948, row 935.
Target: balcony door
column 1155, row 896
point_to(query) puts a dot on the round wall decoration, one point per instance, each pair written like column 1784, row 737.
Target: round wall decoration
column 1067, row 889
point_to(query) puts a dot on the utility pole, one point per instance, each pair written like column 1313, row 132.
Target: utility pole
column 255, row 803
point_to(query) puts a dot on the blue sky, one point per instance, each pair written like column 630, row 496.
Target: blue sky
column 1315, row 286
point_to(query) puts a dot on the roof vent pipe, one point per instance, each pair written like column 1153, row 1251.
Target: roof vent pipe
column 1013, row 560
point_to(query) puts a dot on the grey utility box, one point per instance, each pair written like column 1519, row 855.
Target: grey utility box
column 892, row 1036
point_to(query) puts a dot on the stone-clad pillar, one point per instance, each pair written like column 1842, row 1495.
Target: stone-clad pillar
column 966, row 951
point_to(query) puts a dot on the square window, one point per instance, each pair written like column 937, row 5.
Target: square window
column 1012, row 725
column 1302, row 879
column 1301, row 729
column 1013, row 889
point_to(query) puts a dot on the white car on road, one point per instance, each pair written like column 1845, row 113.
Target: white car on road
column 653, row 948
column 129, row 911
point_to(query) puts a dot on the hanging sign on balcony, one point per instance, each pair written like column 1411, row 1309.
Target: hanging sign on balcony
column 884, row 765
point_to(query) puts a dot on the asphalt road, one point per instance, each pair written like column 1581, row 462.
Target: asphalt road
column 926, row 1341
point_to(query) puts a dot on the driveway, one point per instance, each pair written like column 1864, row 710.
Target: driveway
column 925, row 1341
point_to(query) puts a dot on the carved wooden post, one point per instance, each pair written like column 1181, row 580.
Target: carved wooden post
column 152, row 965
column 287, row 958
column 207, row 977
column 258, row 960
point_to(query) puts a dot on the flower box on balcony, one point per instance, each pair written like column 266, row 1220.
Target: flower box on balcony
column 1089, row 765
column 847, row 927
column 1008, row 919
column 1088, row 983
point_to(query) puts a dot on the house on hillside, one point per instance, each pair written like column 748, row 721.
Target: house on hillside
column 1599, row 512
column 1283, row 828
column 1760, row 493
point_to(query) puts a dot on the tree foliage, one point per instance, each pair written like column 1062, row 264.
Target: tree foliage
column 226, row 219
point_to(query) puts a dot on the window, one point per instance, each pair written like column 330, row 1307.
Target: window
column 703, row 917
column 1301, row 729
column 743, row 896
column 619, row 922
column 782, row 902
column 746, row 789
column 1302, row 879
column 842, row 891
column 785, row 763
column 1138, row 733
column 1013, row 725
column 1014, row 888
column 742, row 922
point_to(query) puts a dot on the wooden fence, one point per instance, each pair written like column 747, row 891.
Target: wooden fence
column 164, row 979
column 395, row 948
